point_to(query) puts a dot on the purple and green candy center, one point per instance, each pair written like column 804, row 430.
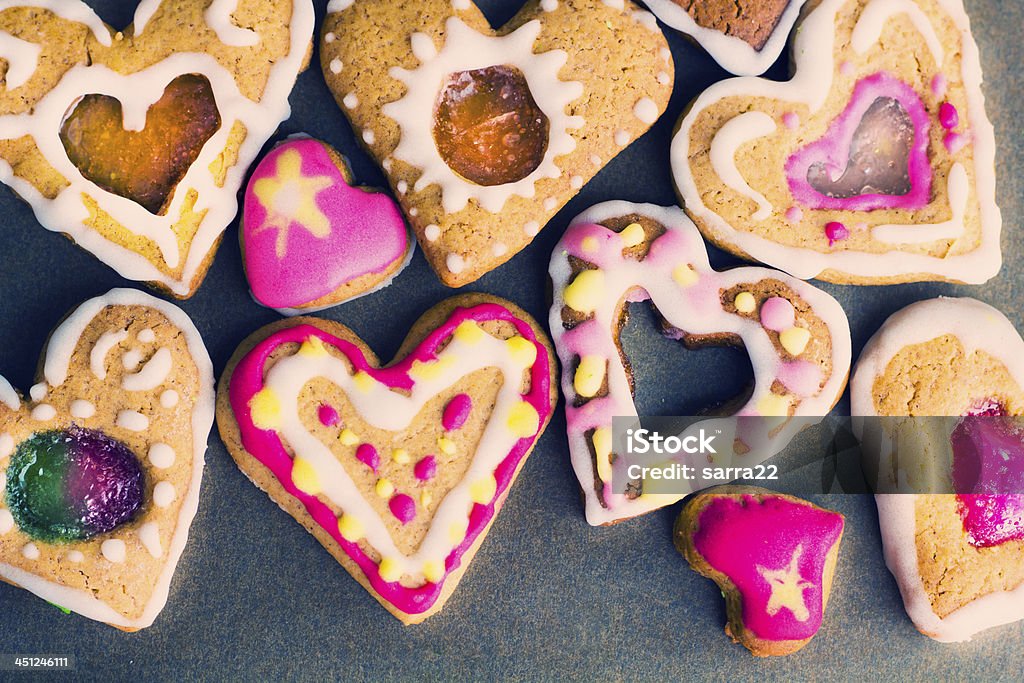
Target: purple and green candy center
column 73, row 484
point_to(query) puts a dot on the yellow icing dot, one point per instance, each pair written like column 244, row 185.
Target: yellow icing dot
column 304, row 477
column 483, row 491
column 446, row 445
column 773, row 405
column 348, row 437
column 589, row 376
column 632, row 235
column 429, row 370
column 401, row 456
column 389, row 570
column 590, row 244
column 794, row 340
column 426, row 499
column 684, row 275
column 585, row 292
column 457, row 532
column 363, row 381
column 265, row 409
column 602, row 439
column 350, row 528
column 468, row 332
column 384, row 488
column 523, row 420
column 522, row 350
column 312, row 347
column 745, row 302
column 433, row 571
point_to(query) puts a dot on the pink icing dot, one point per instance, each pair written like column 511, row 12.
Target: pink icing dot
column 368, row 455
column 954, row 142
column 456, row 412
column 426, row 468
column 939, row 85
column 836, row 232
column 846, row 69
column 777, row 314
column 790, row 120
column 402, row 507
column 328, row 415
column 949, row 117
column 794, row 214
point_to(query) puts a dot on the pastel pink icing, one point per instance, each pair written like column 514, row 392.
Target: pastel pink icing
column 777, row 314
column 834, row 151
column 266, row 446
column 366, row 234
column 737, row 537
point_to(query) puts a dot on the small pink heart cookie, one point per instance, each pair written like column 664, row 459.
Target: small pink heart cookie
column 310, row 238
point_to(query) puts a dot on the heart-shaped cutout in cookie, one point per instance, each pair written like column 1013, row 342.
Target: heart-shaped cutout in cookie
column 957, row 558
column 873, row 165
column 486, row 133
column 145, row 165
column 101, row 466
column 135, row 144
column 310, row 237
column 398, row 471
column 796, row 335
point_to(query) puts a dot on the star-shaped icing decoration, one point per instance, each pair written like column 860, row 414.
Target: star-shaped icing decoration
column 290, row 199
column 787, row 587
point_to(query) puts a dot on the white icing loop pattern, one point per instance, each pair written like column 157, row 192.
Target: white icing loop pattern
column 22, row 58
column 218, row 17
column 734, row 134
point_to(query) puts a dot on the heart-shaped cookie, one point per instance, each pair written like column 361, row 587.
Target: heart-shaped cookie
column 743, row 36
column 398, row 471
column 873, row 165
column 485, row 134
column 101, row 466
column 310, row 238
column 958, row 558
column 797, row 337
column 135, row 144
column 773, row 556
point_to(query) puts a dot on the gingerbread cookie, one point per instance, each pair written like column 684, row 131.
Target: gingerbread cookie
column 100, row 467
column 797, row 337
column 958, row 558
column 310, row 238
column 773, row 556
column 743, row 36
column 399, row 470
column 484, row 135
column 135, row 144
column 873, row 165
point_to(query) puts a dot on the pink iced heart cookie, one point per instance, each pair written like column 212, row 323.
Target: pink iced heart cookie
column 958, row 559
column 873, row 165
column 310, row 238
column 399, row 471
column 774, row 558
column 797, row 336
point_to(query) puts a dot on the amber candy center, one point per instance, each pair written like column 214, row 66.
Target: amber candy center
column 146, row 165
column 487, row 126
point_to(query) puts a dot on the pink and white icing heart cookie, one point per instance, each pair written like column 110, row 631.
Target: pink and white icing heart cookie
column 774, row 558
column 310, row 238
column 796, row 335
column 873, row 165
column 100, row 466
column 958, row 557
column 399, row 471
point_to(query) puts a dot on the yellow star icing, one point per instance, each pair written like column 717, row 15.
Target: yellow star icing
column 290, row 197
column 787, row 588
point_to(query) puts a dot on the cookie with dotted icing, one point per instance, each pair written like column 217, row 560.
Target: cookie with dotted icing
column 773, row 556
column 744, row 36
column 312, row 239
column 796, row 335
column 873, row 165
column 134, row 144
column 101, row 463
column 484, row 134
column 398, row 470
column 958, row 557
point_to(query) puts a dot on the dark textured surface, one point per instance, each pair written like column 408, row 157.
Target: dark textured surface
column 548, row 597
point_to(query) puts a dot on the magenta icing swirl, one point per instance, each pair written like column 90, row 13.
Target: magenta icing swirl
column 290, row 264
column 266, row 446
column 835, row 147
column 749, row 540
column 456, row 412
